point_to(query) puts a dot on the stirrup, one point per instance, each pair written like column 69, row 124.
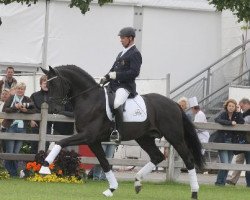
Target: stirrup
column 115, row 136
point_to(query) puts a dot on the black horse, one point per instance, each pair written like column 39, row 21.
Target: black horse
column 165, row 119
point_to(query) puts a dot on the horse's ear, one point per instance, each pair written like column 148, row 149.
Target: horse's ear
column 52, row 70
column 44, row 71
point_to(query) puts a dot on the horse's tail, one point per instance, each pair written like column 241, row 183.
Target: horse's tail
column 193, row 141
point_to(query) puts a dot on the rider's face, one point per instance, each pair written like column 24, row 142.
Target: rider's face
column 125, row 41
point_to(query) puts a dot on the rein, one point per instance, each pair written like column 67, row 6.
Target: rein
column 83, row 92
column 66, row 99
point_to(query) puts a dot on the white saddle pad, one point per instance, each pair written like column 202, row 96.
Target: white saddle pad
column 135, row 109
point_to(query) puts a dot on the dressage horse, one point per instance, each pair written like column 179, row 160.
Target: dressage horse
column 164, row 119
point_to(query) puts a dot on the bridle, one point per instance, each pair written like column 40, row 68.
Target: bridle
column 66, row 99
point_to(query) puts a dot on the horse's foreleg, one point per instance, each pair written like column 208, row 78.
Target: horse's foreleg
column 49, row 159
column 113, row 184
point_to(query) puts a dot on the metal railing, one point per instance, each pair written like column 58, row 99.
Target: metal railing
column 213, row 77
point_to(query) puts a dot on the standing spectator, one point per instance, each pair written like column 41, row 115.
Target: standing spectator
column 65, row 128
column 199, row 116
column 240, row 158
column 4, row 96
column 8, row 81
column 229, row 117
column 38, row 99
column 183, row 102
column 18, row 103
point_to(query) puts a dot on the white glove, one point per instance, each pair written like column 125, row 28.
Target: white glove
column 112, row 75
column 103, row 80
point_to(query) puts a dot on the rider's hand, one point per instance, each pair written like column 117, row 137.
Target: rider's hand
column 112, row 75
column 103, row 81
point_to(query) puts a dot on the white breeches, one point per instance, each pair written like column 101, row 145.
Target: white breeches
column 121, row 95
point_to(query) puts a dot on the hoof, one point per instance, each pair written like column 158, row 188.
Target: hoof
column 194, row 195
column 44, row 170
column 108, row 193
column 138, row 186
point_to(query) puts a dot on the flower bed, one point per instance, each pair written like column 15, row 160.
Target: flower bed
column 66, row 168
column 4, row 173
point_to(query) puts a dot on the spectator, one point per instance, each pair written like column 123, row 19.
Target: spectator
column 240, row 158
column 96, row 172
column 229, row 117
column 4, row 96
column 18, row 103
column 246, row 116
column 38, row 99
column 65, row 128
column 199, row 116
column 8, row 81
column 183, row 102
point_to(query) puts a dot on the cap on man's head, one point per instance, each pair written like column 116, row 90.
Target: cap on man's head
column 127, row 32
column 193, row 102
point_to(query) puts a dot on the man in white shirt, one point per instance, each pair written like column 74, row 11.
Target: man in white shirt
column 199, row 116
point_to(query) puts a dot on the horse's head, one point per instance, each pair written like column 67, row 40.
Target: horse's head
column 58, row 89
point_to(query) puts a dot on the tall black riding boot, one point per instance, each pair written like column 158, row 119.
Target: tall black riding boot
column 116, row 133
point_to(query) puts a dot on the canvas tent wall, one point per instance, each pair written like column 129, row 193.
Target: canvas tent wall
column 176, row 37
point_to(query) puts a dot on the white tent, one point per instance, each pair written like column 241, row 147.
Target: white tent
column 179, row 37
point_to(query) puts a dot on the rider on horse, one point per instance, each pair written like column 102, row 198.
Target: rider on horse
column 122, row 77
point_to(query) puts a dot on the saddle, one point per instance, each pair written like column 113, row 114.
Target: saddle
column 134, row 109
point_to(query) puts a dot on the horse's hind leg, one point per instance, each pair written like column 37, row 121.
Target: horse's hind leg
column 100, row 154
column 187, row 158
column 148, row 145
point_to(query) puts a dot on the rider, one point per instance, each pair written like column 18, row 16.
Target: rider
column 122, row 77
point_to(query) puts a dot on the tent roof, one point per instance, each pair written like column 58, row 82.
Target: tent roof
column 177, row 4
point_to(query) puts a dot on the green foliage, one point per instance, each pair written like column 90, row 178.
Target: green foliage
column 83, row 5
column 241, row 8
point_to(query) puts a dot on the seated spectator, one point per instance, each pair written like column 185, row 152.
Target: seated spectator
column 230, row 117
column 38, row 99
column 8, row 81
column 199, row 116
column 17, row 103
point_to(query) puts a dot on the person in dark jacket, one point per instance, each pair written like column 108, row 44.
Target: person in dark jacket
column 230, row 117
column 38, row 98
column 121, row 77
column 18, row 103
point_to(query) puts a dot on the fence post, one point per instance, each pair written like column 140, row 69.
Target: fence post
column 171, row 153
column 170, row 169
column 43, row 127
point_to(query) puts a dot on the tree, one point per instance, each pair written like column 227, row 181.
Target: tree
column 240, row 8
column 83, row 5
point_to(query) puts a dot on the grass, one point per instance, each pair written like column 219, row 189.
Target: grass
column 24, row 190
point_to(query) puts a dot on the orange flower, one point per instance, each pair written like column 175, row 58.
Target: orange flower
column 60, row 172
column 51, row 166
column 37, row 167
column 29, row 165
